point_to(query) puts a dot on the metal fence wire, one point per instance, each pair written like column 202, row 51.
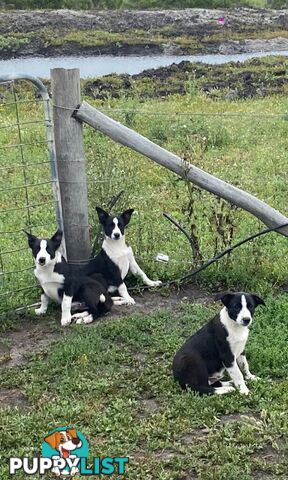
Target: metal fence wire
column 29, row 190
column 30, row 194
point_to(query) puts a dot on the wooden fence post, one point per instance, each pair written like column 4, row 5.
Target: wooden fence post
column 70, row 162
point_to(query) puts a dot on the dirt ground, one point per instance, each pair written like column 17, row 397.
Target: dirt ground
column 170, row 32
column 32, row 333
column 187, row 21
column 240, row 81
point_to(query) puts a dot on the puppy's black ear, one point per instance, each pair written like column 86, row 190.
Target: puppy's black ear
column 225, row 297
column 31, row 239
column 57, row 238
column 127, row 215
column 258, row 300
column 102, row 215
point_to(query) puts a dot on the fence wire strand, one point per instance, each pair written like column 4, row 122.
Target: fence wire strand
column 27, row 209
column 27, row 188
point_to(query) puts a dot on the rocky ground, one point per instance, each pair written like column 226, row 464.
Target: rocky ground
column 67, row 32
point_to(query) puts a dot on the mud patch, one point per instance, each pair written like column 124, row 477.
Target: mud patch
column 13, row 398
column 150, row 302
column 254, row 78
column 165, row 455
column 189, row 476
column 195, row 435
column 4, row 352
column 140, row 357
column 149, row 406
column 258, row 475
column 267, row 458
column 30, row 336
column 247, row 418
column 269, row 455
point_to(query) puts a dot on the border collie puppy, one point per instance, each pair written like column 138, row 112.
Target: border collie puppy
column 116, row 258
column 219, row 347
column 62, row 286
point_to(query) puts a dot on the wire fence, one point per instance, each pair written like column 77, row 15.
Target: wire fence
column 28, row 185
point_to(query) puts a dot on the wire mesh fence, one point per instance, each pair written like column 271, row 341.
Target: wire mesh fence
column 246, row 148
column 28, row 184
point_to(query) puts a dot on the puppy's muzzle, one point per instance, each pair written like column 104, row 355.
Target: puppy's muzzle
column 246, row 321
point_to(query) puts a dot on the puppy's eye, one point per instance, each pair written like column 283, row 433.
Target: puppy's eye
column 62, row 440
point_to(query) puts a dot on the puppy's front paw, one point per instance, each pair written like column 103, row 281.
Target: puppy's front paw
column 123, row 301
column 154, row 283
column 129, row 301
column 78, row 315
column 65, row 321
column 87, row 319
column 244, row 390
column 253, row 378
column 40, row 311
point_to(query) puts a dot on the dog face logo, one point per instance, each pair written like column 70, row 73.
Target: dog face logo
column 68, row 444
column 64, row 441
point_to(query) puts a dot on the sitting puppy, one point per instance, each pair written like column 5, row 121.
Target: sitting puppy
column 60, row 284
column 116, row 258
column 218, row 347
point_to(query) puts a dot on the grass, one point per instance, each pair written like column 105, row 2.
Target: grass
column 86, row 39
column 247, row 150
column 113, row 382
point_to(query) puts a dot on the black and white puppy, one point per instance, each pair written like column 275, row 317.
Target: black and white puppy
column 64, row 286
column 219, row 347
column 116, row 258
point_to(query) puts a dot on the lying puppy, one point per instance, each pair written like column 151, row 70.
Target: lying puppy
column 116, row 258
column 60, row 284
column 218, row 347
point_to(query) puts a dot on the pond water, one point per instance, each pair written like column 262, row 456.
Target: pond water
column 98, row 66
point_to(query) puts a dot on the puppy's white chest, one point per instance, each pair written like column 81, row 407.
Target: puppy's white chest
column 122, row 263
column 237, row 341
column 119, row 254
column 50, row 282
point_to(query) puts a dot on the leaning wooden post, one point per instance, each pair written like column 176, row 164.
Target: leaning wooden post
column 128, row 137
column 71, row 163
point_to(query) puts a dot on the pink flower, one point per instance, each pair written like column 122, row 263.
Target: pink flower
column 221, row 20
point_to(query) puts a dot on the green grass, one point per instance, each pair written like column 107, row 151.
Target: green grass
column 100, row 379
column 247, row 150
column 88, row 38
